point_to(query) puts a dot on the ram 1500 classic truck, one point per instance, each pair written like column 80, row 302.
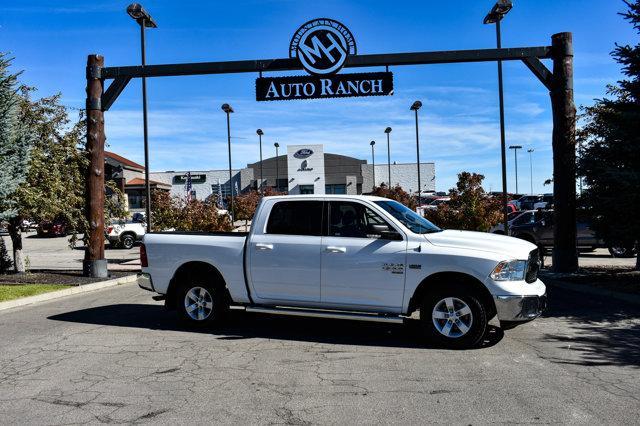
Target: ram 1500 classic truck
column 349, row 257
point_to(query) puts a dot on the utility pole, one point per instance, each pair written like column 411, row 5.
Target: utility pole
column 387, row 131
column 565, row 254
column 259, row 132
column 94, row 264
column 515, row 149
column 530, row 151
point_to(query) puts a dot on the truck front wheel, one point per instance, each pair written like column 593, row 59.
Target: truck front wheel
column 453, row 318
column 201, row 304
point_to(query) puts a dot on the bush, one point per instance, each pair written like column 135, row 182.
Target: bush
column 169, row 212
column 396, row 193
column 470, row 208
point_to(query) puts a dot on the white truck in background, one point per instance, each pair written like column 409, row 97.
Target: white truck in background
column 349, row 257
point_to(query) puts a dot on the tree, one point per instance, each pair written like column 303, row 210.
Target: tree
column 470, row 207
column 5, row 260
column 15, row 147
column 395, row 193
column 609, row 160
column 245, row 205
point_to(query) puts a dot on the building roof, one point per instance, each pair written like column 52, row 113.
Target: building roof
column 141, row 181
column 124, row 161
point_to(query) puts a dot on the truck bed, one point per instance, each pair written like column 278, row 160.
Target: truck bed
column 168, row 251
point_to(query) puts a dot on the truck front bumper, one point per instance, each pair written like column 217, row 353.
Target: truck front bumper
column 145, row 282
column 517, row 309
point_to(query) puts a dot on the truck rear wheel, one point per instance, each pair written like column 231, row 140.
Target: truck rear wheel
column 200, row 303
column 453, row 318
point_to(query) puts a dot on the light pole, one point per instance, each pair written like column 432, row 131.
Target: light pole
column 498, row 11
column 415, row 107
column 387, row 131
column 259, row 132
column 515, row 149
column 142, row 17
column 228, row 110
column 373, row 161
column 530, row 151
column 277, row 145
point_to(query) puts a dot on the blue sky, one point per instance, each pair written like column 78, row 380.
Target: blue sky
column 459, row 119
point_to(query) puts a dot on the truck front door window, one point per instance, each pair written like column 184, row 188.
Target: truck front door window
column 347, row 219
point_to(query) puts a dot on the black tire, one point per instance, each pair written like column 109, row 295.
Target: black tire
column 214, row 304
column 477, row 322
column 622, row 251
column 127, row 241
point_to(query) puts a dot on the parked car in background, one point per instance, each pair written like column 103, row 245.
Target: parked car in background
column 526, row 202
column 438, row 201
column 4, row 228
column 518, row 216
column 124, row 234
column 54, row 228
column 546, row 202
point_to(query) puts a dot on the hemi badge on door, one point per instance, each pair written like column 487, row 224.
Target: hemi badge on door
column 415, row 266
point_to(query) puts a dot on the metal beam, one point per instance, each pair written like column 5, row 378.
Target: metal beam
column 113, row 91
column 289, row 64
column 539, row 70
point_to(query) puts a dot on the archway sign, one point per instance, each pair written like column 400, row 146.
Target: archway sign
column 323, row 47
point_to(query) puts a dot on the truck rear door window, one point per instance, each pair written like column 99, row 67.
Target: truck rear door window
column 296, row 218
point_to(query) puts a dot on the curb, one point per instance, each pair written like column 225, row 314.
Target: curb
column 66, row 292
column 595, row 291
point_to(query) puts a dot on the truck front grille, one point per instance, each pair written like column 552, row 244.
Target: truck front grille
column 533, row 266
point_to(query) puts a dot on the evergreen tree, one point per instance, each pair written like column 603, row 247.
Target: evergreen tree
column 15, row 145
column 610, row 156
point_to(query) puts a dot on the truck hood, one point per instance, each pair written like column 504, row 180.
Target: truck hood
column 507, row 247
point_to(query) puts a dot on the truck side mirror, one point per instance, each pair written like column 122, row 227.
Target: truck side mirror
column 386, row 233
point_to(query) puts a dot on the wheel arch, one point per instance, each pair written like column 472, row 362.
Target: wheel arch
column 440, row 279
column 194, row 268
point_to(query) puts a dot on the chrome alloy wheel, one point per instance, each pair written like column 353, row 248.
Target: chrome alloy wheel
column 452, row 317
column 198, row 303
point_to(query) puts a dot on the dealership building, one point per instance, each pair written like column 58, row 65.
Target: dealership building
column 305, row 169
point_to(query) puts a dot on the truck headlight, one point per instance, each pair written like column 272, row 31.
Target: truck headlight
column 509, row 270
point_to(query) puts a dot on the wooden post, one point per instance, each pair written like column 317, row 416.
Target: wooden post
column 565, row 254
column 94, row 264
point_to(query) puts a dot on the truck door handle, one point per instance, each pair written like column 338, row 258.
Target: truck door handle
column 334, row 249
column 262, row 246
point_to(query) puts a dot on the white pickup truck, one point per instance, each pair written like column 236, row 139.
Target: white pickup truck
column 349, row 257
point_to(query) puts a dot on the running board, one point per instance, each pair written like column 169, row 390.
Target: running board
column 326, row 314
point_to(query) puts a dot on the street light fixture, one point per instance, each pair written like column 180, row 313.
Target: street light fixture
column 142, row 17
column 415, row 107
column 373, row 161
column 228, row 111
column 387, row 131
column 495, row 16
column 530, row 151
column 259, row 132
column 277, row 145
column 515, row 149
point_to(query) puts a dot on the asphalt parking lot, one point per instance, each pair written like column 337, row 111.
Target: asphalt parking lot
column 55, row 254
column 117, row 356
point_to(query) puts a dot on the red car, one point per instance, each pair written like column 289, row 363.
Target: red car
column 56, row 228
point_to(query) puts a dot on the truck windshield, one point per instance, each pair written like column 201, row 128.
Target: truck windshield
column 416, row 223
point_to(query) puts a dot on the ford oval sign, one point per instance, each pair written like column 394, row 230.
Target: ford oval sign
column 303, row 153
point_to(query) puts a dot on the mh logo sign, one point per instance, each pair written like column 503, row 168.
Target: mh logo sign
column 322, row 46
